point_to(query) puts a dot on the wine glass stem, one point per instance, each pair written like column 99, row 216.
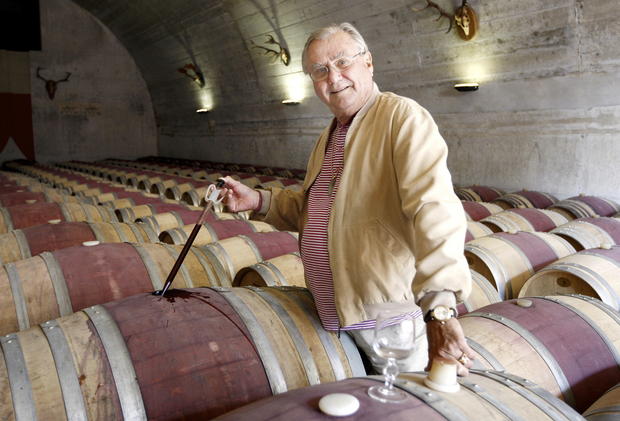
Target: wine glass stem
column 390, row 371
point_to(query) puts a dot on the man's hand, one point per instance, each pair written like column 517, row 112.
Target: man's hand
column 446, row 342
column 238, row 197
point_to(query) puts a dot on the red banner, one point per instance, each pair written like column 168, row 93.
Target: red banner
column 16, row 122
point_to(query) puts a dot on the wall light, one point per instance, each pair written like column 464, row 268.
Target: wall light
column 466, row 87
column 203, row 110
column 291, row 101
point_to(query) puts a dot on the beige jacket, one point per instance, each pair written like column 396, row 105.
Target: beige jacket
column 396, row 228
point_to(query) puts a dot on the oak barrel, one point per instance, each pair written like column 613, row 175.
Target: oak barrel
column 583, row 206
column 23, row 216
column 586, row 233
column 478, row 193
column 483, row 396
column 178, row 218
column 482, row 294
column 285, row 270
column 592, row 272
column 524, row 219
column 526, row 199
column 214, row 231
column 58, row 283
column 475, row 211
column 507, row 260
column 28, row 242
column 132, row 214
column 606, row 408
column 476, row 230
column 240, row 251
column 568, row 345
column 176, row 192
column 22, row 198
column 192, row 355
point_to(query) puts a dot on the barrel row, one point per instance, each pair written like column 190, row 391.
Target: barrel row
column 53, row 284
column 174, row 186
column 185, row 167
column 84, row 364
column 221, row 347
column 581, row 206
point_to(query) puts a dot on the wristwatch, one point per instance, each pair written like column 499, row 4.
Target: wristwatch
column 440, row 313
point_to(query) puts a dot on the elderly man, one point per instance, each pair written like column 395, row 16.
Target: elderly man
column 380, row 226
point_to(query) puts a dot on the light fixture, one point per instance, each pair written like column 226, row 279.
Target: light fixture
column 203, row 110
column 466, row 87
column 291, row 102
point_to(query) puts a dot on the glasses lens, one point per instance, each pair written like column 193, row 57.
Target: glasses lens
column 319, row 73
column 343, row 63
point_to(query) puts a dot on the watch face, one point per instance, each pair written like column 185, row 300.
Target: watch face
column 441, row 313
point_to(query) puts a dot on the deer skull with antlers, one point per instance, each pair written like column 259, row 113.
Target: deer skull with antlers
column 465, row 18
column 282, row 54
column 51, row 85
column 193, row 72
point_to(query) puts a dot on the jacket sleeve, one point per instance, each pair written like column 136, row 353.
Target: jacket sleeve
column 285, row 209
column 428, row 200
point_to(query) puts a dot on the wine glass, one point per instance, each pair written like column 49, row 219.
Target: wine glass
column 394, row 340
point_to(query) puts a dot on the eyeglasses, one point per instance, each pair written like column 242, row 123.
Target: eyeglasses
column 320, row 72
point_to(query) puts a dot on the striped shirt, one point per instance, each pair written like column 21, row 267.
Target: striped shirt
column 314, row 250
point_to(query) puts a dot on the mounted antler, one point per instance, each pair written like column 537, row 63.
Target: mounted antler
column 465, row 18
column 51, row 85
column 282, row 54
column 194, row 73
column 442, row 13
column 466, row 21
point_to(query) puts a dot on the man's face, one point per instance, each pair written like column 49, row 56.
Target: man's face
column 346, row 91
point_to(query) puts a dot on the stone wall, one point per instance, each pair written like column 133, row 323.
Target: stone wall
column 545, row 117
column 104, row 109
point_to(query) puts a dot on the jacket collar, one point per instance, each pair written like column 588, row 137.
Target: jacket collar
column 314, row 168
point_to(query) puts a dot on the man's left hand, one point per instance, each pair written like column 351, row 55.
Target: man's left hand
column 446, row 343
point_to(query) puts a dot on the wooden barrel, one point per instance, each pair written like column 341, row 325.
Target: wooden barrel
column 282, row 183
column 241, row 251
column 192, row 355
column 58, row 283
column 586, row 233
column 478, row 193
column 508, row 260
column 162, row 186
column 23, row 216
column 606, row 408
column 133, row 214
column 475, row 211
column 285, row 270
column 97, row 188
column 592, row 272
column 146, row 183
column 214, row 231
column 569, row 345
column 526, row 199
column 28, row 242
column 195, row 197
column 476, row 230
column 587, row 206
column 482, row 294
column 22, row 198
column 169, row 220
column 176, row 192
column 524, row 219
column 483, row 395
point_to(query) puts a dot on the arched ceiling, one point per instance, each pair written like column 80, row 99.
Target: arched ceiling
column 217, row 37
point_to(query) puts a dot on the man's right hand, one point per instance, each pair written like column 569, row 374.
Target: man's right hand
column 238, row 197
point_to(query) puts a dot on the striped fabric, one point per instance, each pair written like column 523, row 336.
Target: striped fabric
column 314, row 251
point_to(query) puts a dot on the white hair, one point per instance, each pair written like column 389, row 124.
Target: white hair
column 328, row 31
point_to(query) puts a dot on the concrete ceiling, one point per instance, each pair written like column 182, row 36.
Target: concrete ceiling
column 217, row 37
